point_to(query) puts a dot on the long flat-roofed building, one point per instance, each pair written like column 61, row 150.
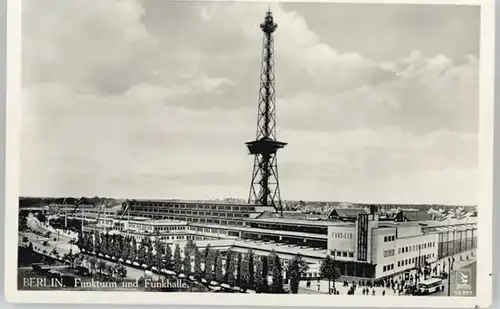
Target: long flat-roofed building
column 216, row 212
column 364, row 244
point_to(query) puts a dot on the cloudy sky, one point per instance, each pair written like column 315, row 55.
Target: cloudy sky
column 155, row 99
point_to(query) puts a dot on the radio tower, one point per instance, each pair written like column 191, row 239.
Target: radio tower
column 264, row 189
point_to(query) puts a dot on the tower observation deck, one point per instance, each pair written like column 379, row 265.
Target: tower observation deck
column 264, row 188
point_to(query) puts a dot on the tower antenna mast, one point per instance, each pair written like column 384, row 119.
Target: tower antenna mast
column 264, row 188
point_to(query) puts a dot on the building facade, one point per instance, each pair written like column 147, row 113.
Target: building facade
column 375, row 249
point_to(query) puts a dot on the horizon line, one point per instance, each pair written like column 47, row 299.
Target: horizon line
column 228, row 199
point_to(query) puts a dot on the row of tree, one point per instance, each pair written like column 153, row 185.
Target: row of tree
column 236, row 269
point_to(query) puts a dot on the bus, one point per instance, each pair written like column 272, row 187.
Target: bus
column 429, row 286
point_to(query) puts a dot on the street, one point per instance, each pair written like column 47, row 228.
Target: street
column 63, row 246
column 453, row 278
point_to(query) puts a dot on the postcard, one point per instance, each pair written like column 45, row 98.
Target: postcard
column 144, row 138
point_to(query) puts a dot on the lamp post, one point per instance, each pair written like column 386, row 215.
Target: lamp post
column 450, row 268
column 451, row 260
column 334, row 253
column 417, row 275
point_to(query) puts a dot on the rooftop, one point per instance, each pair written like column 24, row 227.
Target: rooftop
column 284, row 250
column 281, row 249
column 262, row 231
column 213, row 202
column 347, row 212
column 294, row 221
column 147, row 221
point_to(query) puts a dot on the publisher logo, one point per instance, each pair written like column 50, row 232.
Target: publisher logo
column 464, row 284
column 463, row 280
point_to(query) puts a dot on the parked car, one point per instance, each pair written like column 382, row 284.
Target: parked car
column 442, row 275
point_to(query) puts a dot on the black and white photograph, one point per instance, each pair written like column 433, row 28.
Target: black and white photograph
column 334, row 152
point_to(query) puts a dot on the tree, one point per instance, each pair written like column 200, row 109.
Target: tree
column 296, row 270
column 277, row 283
column 209, row 264
column 97, row 242
column 89, row 244
column 158, row 247
column 158, row 254
column 101, row 266
column 197, row 263
column 41, row 217
column 81, row 241
column 250, row 269
column 231, row 279
column 205, row 254
column 168, row 257
column 149, row 253
column 189, row 247
column 133, row 250
column 70, row 257
column 177, row 259
column 258, row 279
column 229, row 256
column 186, row 263
column 22, row 221
column 271, row 258
column 121, row 271
column 92, row 262
column 238, row 269
column 141, row 253
column 125, row 252
column 218, row 269
column 244, row 274
column 110, row 271
column 104, row 243
column 113, row 248
column 265, row 267
column 329, row 270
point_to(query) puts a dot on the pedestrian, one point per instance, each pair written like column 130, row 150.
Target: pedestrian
column 383, row 292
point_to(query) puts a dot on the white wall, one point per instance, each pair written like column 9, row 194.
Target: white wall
column 401, row 256
column 342, row 239
column 379, row 246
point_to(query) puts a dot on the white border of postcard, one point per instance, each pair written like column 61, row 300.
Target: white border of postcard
column 485, row 242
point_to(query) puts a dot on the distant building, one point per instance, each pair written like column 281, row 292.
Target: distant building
column 195, row 211
column 346, row 214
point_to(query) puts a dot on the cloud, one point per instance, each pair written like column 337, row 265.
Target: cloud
column 429, row 94
column 156, row 99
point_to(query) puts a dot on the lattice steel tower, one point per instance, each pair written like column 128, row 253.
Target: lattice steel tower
column 264, row 189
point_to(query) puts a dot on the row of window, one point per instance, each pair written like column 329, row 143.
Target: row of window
column 179, row 237
column 196, row 213
column 388, row 253
column 388, row 267
column 342, row 254
column 291, row 227
column 195, row 206
column 416, row 247
column 412, row 261
column 191, row 219
column 389, row 238
column 156, row 228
